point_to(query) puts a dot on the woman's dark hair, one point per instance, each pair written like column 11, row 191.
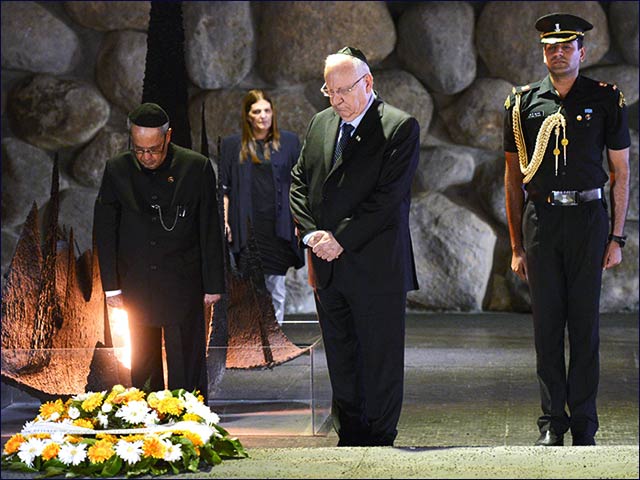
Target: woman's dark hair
column 248, row 144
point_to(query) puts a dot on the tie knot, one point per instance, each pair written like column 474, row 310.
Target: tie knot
column 347, row 128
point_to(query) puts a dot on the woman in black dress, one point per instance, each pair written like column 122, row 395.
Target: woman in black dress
column 255, row 176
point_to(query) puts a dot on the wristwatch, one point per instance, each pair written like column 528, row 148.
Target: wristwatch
column 621, row 240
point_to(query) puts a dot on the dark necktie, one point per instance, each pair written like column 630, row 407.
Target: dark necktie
column 344, row 138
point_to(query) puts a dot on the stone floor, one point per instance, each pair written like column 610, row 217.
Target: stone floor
column 471, row 403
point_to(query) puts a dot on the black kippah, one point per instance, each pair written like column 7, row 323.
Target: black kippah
column 149, row 115
column 353, row 52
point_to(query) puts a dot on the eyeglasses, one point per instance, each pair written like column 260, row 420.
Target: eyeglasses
column 151, row 151
column 340, row 91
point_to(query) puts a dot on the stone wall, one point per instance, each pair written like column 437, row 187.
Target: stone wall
column 72, row 70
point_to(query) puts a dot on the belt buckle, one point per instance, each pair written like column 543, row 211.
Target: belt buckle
column 565, row 198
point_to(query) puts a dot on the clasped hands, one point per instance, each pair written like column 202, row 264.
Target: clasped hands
column 325, row 246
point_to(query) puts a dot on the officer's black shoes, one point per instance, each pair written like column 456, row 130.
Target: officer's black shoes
column 550, row 439
column 583, row 440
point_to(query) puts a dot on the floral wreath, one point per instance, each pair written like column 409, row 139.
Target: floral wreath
column 123, row 432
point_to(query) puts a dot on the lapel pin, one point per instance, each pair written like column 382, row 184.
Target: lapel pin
column 170, row 179
column 358, row 138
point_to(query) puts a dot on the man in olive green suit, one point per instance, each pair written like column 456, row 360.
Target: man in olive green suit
column 159, row 245
column 350, row 198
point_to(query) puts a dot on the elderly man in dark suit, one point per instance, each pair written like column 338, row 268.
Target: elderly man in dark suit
column 350, row 198
column 159, row 245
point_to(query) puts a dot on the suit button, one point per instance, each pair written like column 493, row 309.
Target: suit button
column 153, row 243
column 154, row 197
column 154, row 219
column 153, row 267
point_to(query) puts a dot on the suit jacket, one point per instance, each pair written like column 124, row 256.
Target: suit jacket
column 235, row 181
column 163, row 274
column 363, row 199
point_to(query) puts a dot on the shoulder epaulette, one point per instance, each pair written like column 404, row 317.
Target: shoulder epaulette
column 517, row 90
column 613, row 88
column 521, row 88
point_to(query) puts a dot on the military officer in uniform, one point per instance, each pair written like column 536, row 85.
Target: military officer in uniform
column 554, row 134
column 159, row 246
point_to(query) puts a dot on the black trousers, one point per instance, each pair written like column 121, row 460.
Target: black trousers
column 364, row 342
column 185, row 347
column 565, row 249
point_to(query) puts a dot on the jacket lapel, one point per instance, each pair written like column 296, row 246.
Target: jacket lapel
column 330, row 135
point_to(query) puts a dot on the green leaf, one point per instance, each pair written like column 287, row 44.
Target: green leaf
column 112, row 466
column 210, row 456
column 174, row 468
column 193, row 464
column 158, row 470
column 21, row 467
column 53, row 471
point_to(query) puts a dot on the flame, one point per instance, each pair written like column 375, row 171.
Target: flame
column 119, row 322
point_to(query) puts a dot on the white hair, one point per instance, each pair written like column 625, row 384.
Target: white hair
column 163, row 128
column 360, row 67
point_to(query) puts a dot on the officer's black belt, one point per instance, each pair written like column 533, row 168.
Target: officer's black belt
column 567, row 198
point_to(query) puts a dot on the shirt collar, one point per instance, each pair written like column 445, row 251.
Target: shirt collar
column 547, row 86
column 356, row 121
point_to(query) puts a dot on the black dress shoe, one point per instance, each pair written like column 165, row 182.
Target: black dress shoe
column 550, row 439
column 582, row 441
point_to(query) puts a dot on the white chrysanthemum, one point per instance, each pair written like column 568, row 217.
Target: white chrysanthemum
column 162, row 394
column 72, row 453
column 103, row 420
column 30, row 449
column 173, row 453
column 134, row 412
column 29, row 423
column 130, row 452
column 106, row 407
column 74, row 413
column 151, row 419
column 81, row 397
column 205, row 412
column 54, row 416
column 190, row 399
column 193, row 405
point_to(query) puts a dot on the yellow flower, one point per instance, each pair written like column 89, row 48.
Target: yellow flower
column 195, row 438
column 133, row 438
column 115, row 391
column 107, row 436
column 73, row 438
column 135, row 394
column 93, row 402
column 100, row 451
column 128, row 395
column 50, row 451
column 153, row 400
column 171, row 406
column 14, row 443
column 153, row 447
column 49, row 408
column 192, row 417
column 83, row 422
